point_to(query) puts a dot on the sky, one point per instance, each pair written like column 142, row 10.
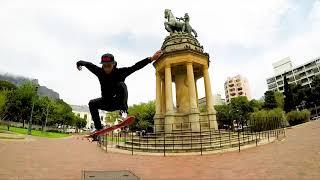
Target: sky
column 44, row 39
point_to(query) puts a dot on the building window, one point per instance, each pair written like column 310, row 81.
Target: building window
column 289, row 73
column 273, row 85
column 280, row 82
column 297, row 77
column 271, row 80
column 85, row 117
column 304, row 80
column 302, row 74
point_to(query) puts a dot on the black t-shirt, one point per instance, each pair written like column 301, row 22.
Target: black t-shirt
column 108, row 82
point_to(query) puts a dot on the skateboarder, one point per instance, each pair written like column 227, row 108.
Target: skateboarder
column 113, row 89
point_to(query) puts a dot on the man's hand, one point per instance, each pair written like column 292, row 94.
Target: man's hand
column 156, row 55
column 79, row 65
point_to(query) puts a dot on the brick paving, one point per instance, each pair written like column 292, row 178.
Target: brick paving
column 296, row 157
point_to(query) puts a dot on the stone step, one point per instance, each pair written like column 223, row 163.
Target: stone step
column 185, row 137
column 193, row 148
column 191, row 138
column 193, row 142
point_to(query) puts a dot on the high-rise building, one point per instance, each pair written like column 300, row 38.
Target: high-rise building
column 282, row 66
column 236, row 86
column 302, row 74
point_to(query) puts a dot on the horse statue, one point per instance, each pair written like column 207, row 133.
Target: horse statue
column 176, row 25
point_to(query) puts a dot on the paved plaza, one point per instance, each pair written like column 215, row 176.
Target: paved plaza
column 296, row 157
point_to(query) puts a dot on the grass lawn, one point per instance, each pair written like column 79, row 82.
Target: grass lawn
column 34, row 132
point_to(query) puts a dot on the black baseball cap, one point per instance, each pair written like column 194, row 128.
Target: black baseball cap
column 107, row 59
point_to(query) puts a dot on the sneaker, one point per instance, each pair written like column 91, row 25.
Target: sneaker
column 124, row 114
column 95, row 138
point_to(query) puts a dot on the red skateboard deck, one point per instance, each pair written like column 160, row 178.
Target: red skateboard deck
column 125, row 122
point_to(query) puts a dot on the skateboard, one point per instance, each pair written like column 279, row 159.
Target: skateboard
column 125, row 122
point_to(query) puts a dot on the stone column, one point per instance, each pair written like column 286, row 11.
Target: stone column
column 163, row 96
column 209, row 99
column 158, row 93
column 169, row 118
column 158, row 117
column 194, row 112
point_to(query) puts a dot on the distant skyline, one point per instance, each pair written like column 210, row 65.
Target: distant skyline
column 44, row 39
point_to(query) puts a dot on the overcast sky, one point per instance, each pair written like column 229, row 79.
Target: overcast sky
column 44, row 39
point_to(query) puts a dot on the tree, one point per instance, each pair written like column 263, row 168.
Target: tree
column 3, row 101
column 5, row 85
column 279, row 99
column 269, row 100
column 224, row 115
column 256, row 105
column 112, row 116
column 315, row 91
column 240, row 109
column 143, row 113
column 80, row 122
column 288, row 97
column 19, row 102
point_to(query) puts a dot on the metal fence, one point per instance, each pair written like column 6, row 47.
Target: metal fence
column 184, row 139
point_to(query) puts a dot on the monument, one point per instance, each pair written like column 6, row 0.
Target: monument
column 183, row 62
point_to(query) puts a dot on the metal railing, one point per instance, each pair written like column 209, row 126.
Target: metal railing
column 205, row 138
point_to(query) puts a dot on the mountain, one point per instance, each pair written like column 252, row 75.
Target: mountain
column 18, row 80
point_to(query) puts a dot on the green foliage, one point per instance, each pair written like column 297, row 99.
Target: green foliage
column 269, row 100
column 5, row 85
column 240, row 108
column 112, row 116
column 298, row 117
column 80, row 122
column 279, row 99
column 19, row 102
column 298, row 96
column 267, row 119
column 143, row 113
column 3, row 101
column 256, row 105
column 16, row 105
column 288, row 96
column 224, row 115
column 315, row 91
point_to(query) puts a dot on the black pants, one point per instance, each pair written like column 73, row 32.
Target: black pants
column 116, row 102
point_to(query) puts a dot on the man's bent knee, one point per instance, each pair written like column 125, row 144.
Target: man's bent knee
column 92, row 103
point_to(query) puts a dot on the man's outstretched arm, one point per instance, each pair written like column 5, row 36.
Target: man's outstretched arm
column 91, row 67
column 129, row 70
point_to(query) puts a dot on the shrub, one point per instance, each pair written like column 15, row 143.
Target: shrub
column 267, row 119
column 298, row 117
